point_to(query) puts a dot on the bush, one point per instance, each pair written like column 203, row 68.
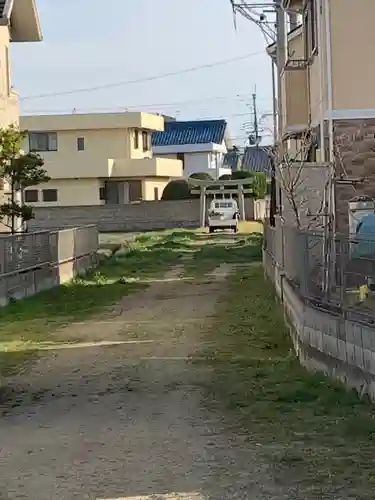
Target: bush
column 203, row 176
column 241, row 174
column 176, row 190
column 259, row 185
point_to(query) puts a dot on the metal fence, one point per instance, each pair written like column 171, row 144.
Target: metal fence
column 22, row 252
column 336, row 273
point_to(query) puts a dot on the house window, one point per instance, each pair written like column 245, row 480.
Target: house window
column 156, row 193
column 102, row 196
column 311, row 29
column 43, row 141
column 49, row 194
column 145, row 137
column 31, row 195
column 80, row 143
column 181, row 157
column 136, row 139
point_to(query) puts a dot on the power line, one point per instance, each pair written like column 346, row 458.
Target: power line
column 140, row 106
column 140, row 80
column 217, row 117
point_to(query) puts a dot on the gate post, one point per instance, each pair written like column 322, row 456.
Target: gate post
column 203, row 207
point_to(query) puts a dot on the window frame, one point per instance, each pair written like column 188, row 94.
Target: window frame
column 136, row 139
column 51, row 142
column 44, row 191
column 34, row 191
column 145, row 141
column 102, row 193
column 80, row 142
column 310, row 23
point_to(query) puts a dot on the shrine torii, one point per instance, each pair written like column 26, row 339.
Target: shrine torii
column 221, row 187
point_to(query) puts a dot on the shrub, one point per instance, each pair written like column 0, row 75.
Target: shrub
column 260, row 185
column 176, row 190
column 203, row 176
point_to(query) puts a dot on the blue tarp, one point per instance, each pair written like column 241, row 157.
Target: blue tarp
column 364, row 241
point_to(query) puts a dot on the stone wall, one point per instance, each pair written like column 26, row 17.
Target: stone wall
column 355, row 157
column 33, row 262
column 144, row 216
column 342, row 349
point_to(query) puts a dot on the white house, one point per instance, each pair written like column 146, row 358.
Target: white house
column 200, row 145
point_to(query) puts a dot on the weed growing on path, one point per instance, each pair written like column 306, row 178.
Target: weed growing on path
column 318, row 437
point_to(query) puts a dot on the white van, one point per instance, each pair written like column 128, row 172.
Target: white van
column 223, row 214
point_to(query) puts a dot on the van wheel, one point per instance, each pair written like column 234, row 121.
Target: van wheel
column 211, row 230
column 235, row 230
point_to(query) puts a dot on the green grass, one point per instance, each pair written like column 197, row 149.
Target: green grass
column 135, row 260
column 246, row 249
column 33, row 320
column 316, row 435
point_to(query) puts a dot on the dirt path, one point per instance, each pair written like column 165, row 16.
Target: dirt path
column 128, row 421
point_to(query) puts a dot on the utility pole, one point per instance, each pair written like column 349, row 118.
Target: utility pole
column 274, row 33
column 256, row 129
column 280, row 64
column 254, row 137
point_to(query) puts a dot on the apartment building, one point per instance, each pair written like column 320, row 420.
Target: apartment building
column 95, row 159
column 19, row 22
column 328, row 88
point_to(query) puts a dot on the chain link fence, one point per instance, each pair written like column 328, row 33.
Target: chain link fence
column 336, row 273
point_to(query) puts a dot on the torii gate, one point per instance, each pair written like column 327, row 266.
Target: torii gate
column 204, row 188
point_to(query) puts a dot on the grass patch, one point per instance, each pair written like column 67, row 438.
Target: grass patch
column 35, row 319
column 244, row 249
column 318, row 437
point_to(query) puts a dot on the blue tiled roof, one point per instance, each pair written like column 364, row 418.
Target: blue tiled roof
column 257, row 159
column 191, row 132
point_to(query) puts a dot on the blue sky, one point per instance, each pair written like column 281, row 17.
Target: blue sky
column 91, row 43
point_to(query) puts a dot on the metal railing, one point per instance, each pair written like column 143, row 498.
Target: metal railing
column 22, row 252
column 333, row 273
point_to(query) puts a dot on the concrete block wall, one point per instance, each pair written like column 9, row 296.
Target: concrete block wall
column 70, row 252
column 342, row 349
column 144, row 216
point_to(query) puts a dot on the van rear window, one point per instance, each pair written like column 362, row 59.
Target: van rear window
column 223, row 204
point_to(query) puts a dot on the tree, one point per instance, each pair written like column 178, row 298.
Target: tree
column 225, row 177
column 259, row 185
column 19, row 170
column 304, row 190
column 241, row 174
column 203, row 176
column 178, row 189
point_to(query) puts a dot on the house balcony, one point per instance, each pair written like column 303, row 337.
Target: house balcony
column 295, row 99
column 76, row 168
column 145, row 167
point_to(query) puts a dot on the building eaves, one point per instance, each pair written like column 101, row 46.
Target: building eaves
column 178, row 133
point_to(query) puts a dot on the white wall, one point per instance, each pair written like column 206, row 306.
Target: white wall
column 197, row 162
column 200, row 162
